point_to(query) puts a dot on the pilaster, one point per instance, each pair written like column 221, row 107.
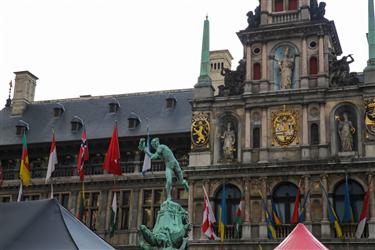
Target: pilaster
column 325, row 224
column 191, row 207
column 246, row 226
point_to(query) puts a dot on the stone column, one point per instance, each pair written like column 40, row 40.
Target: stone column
column 305, row 135
column 264, row 83
column 103, row 204
column 249, row 64
column 263, row 224
column 263, row 157
column 371, row 222
column 191, row 207
column 246, row 226
column 246, row 155
column 135, row 211
column 323, row 150
column 325, row 225
column 308, row 222
column 304, row 76
column 321, row 54
column 322, row 74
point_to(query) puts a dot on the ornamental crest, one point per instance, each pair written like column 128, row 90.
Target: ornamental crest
column 284, row 127
column 370, row 115
column 200, row 131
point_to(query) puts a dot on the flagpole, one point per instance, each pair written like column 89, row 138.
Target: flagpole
column 19, row 198
column 51, row 189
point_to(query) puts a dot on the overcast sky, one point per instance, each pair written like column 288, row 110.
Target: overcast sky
column 101, row 47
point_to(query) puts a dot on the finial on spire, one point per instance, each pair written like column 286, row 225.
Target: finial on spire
column 9, row 101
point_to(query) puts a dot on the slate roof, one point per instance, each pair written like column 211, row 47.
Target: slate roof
column 99, row 122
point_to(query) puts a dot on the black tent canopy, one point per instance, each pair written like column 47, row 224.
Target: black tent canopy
column 44, row 224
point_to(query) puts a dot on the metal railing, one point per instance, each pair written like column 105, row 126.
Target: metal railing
column 62, row 170
column 283, row 230
column 229, row 232
column 349, row 229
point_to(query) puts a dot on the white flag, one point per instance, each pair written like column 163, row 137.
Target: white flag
column 147, row 161
column 52, row 161
column 208, row 219
column 19, row 198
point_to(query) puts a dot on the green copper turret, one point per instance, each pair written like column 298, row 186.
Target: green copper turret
column 204, row 78
column 371, row 32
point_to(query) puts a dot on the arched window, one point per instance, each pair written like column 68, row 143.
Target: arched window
column 313, row 65
column 314, row 134
column 256, row 71
column 356, row 199
column 232, row 198
column 292, row 5
column 279, row 5
column 283, row 198
column 256, row 137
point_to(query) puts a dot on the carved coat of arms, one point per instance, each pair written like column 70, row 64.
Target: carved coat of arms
column 370, row 116
column 200, row 131
column 284, row 127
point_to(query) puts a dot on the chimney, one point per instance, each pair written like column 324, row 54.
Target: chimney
column 24, row 91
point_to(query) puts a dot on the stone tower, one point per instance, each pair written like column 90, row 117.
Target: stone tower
column 24, row 91
column 219, row 59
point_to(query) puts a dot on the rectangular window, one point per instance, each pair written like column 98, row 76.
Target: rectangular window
column 91, row 209
column 123, row 209
column 31, row 197
column 6, row 198
column 62, row 198
column 151, row 205
column 279, row 5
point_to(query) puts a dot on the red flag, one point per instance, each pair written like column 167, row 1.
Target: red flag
column 363, row 216
column 112, row 157
column 82, row 156
column 296, row 206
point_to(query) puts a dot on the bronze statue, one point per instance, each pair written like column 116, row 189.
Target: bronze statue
column 317, row 12
column 171, row 164
column 233, row 80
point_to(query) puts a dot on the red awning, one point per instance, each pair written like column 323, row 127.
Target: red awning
column 300, row 239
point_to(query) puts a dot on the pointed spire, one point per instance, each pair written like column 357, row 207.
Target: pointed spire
column 204, row 78
column 371, row 30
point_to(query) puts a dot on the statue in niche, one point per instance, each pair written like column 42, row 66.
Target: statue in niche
column 253, row 19
column 286, row 66
column 346, row 131
column 317, row 12
column 229, row 140
column 233, row 80
column 340, row 71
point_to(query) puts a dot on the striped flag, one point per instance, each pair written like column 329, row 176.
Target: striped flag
column 332, row 214
column 222, row 214
column 113, row 217
column 238, row 216
column 276, row 218
column 25, row 171
column 52, row 161
column 271, row 231
column 82, row 156
column 208, row 219
column 348, row 213
column 363, row 216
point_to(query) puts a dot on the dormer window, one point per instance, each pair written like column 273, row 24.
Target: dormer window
column 22, row 127
column 133, row 121
column 170, row 102
column 58, row 110
column 76, row 124
column 114, row 106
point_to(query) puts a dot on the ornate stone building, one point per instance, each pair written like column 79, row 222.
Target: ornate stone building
column 291, row 114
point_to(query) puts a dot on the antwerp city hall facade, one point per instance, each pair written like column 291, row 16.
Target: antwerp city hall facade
column 291, row 115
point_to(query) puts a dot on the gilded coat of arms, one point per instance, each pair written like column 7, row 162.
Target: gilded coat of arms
column 200, row 131
column 284, row 127
column 370, row 115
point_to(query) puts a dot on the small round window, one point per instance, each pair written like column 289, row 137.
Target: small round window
column 256, row 51
column 312, row 45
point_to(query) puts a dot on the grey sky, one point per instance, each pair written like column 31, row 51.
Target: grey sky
column 100, row 47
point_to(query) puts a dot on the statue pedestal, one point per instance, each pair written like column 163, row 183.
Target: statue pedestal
column 171, row 230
